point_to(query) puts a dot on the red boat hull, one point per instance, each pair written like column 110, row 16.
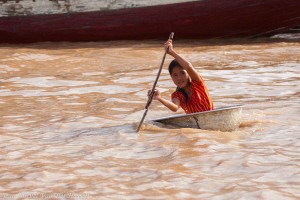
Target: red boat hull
column 198, row 19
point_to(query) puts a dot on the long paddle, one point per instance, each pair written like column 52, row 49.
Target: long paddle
column 153, row 87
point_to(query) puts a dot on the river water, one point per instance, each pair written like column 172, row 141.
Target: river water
column 69, row 111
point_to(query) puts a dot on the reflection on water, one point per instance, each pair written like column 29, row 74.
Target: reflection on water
column 69, row 113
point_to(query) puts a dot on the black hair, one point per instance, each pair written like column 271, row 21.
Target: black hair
column 172, row 65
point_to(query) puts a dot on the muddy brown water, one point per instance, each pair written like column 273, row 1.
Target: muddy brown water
column 68, row 114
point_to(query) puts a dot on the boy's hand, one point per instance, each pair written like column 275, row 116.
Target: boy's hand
column 169, row 46
column 156, row 94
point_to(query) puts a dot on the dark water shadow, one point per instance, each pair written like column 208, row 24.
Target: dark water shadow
column 145, row 44
column 127, row 128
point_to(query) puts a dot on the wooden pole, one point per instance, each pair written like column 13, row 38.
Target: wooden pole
column 154, row 85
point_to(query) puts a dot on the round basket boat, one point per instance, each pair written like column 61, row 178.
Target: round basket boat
column 220, row 119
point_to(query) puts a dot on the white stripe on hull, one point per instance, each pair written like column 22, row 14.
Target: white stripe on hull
column 30, row 7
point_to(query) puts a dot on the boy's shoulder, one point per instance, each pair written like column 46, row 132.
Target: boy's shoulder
column 176, row 94
column 198, row 83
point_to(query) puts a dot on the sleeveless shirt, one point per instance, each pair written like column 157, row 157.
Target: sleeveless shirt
column 199, row 100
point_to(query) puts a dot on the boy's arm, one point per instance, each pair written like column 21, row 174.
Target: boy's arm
column 172, row 105
column 183, row 62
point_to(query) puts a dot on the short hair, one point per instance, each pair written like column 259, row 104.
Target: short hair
column 172, row 65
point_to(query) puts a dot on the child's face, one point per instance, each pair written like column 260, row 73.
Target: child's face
column 180, row 77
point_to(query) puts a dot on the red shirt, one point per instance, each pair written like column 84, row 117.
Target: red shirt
column 199, row 100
